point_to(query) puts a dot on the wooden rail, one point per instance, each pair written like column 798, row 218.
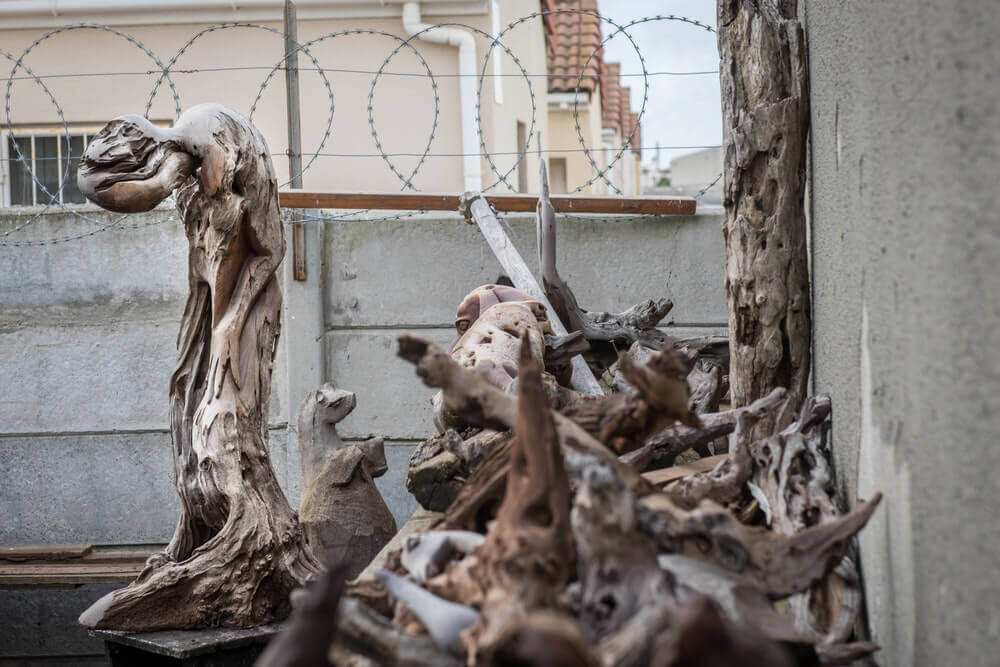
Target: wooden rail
column 511, row 203
column 70, row 565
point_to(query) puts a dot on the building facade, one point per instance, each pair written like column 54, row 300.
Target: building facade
column 387, row 102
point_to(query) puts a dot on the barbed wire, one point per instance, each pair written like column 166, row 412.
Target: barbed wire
column 49, row 195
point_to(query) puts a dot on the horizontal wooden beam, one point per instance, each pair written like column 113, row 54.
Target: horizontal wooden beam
column 70, row 565
column 511, row 203
column 666, row 475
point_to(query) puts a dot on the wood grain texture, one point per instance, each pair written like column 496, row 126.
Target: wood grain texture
column 511, row 203
column 342, row 513
column 237, row 550
column 766, row 120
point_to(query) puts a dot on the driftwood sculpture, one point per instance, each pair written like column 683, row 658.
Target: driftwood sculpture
column 584, row 561
column 345, row 518
column 237, row 550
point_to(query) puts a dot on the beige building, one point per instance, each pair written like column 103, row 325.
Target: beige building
column 587, row 107
column 96, row 73
column 692, row 172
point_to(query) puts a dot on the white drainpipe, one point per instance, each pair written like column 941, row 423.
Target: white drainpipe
column 466, row 87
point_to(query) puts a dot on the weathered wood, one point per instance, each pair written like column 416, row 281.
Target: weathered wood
column 794, row 473
column 779, row 565
column 374, row 636
column 512, row 203
column 638, row 323
column 477, row 209
column 467, row 393
column 345, row 518
column 766, row 119
column 238, row 550
column 528, row 556
column 307, row 638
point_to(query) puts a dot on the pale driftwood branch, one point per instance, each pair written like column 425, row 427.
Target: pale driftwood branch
column 779, row 565
column 765, row 106
column 477, row 208
column 528, row 556
column 638, row 323
column 368, row 633
column 237, row 551
column 661, row 450
column 466, row 393
column 342, row 513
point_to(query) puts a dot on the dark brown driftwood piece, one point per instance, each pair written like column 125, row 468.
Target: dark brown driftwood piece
column 765, row 108
column 237, row 550
column 528, row 556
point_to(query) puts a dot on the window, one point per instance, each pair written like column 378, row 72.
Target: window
column 47, row 156
column 557, row 175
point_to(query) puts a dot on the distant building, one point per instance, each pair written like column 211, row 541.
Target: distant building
column 585, row 93
column 653, row 177
column 690, row 173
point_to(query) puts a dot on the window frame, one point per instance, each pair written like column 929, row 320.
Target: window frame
column 9, row 157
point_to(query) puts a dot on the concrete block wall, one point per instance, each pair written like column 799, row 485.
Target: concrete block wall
column 87, row 345
column 905, row 252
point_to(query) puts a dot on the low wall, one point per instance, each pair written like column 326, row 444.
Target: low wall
column 87, row 345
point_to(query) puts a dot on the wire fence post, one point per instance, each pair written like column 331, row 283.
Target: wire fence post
column 294, row 115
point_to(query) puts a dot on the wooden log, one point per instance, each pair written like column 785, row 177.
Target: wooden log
column 765, row 120
column 511, row 203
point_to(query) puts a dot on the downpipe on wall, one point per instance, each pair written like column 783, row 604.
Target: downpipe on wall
column 471, row 168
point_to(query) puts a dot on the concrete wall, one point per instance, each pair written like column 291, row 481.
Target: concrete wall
column 905, row 254
column 87, row 345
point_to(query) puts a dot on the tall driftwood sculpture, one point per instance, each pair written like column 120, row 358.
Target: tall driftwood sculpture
column 766, row 120
column 237, row 550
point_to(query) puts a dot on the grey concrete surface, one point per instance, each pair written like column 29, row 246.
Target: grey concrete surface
column 39, row 626
column 416, row 271
column 87, row 345
column 906, row 249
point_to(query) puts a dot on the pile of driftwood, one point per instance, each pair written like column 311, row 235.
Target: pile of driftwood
column 563, row 532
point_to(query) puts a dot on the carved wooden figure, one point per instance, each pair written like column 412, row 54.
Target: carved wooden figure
column 342, row 513
column 237, row 550
column 490, row 322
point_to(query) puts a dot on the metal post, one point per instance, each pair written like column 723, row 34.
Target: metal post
column 294, row 134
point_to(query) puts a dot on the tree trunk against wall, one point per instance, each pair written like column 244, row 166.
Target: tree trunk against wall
column 765, row 115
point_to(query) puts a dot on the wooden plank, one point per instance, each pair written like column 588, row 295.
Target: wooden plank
column 665, row 475
column 517, row 270
column 47, row 574
column 511, row 203
column 45, row 552
column 46, row 566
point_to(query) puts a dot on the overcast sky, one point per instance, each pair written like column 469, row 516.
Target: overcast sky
column 681, row 110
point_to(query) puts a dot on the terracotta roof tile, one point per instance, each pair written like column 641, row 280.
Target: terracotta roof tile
column 573, row 43
column 573, row 46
